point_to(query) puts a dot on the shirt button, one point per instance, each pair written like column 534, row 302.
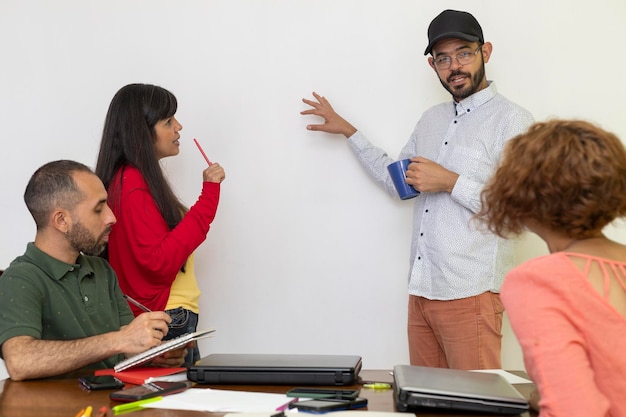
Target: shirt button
column 86, row 298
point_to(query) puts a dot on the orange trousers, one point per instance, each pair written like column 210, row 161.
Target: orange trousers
column 461, row 334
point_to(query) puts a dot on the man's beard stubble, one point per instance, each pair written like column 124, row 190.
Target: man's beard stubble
column 475, row 81
column 83, row 241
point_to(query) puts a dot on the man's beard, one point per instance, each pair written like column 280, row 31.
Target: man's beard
column 83, row 241
column 475, row 81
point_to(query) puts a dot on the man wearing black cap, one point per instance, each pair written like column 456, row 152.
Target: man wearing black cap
column 455, row 313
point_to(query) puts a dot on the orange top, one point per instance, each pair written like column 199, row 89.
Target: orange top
column 573, row 339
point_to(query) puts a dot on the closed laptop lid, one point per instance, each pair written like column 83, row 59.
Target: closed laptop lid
column 244, row 368
column 453, row 388
column 278, row 362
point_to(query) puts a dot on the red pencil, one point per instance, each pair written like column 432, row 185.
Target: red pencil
column 202, row 152
column 102, row 412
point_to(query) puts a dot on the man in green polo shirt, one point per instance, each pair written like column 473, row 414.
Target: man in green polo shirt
column 61, row 308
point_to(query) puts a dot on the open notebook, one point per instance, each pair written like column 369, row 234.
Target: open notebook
column 160, row 349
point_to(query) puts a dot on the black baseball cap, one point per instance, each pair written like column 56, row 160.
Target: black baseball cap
column 453, row 24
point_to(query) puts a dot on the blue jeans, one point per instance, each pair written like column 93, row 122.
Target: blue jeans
column 183, row 322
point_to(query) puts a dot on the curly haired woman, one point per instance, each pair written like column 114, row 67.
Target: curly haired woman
column 565, row 181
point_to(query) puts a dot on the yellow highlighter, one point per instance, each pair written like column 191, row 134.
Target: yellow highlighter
column 134, row 406
column 377, row 385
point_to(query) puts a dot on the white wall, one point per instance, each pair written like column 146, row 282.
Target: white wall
column 306, row 253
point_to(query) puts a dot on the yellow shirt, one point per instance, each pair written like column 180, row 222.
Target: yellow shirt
column 185, row 291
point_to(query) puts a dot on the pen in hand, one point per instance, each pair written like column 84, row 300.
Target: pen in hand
column 137, row 303
column 202, row 152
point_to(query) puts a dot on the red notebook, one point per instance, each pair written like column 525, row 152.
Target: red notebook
column 141, row 374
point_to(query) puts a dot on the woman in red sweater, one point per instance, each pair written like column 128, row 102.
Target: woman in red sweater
column 151, row 246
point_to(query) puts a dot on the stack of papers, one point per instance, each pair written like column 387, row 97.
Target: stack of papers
column 224, row 401
column 512, row 378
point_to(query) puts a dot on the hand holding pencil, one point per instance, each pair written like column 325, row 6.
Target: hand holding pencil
column 214, row 173
column 144, row 332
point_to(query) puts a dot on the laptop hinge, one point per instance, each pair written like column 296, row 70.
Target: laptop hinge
column 338, row 377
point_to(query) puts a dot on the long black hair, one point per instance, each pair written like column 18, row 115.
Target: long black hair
column 128, row 138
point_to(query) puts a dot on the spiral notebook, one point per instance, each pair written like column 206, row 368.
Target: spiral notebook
column 160, row 349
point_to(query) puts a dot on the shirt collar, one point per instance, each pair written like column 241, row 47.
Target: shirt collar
column 55, row 268
column 476, row 100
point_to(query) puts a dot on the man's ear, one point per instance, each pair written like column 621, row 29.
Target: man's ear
column 486, row 51
column 431, row 62
column 61, row 220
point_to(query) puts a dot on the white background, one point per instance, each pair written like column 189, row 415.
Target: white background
column 307, row 254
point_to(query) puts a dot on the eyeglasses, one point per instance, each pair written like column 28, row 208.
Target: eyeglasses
column 444, row 62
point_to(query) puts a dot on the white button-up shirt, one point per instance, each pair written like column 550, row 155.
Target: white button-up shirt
column 453, row 256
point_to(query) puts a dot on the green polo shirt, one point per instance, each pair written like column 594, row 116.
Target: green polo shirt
column 47, row 299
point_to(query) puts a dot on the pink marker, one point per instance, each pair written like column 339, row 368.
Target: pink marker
column 202, row 152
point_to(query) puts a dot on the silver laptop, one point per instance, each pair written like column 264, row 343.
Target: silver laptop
column 452, row 389
column 276, row 369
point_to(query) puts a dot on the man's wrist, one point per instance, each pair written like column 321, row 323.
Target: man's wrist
column 349, row 131
column 453, row 179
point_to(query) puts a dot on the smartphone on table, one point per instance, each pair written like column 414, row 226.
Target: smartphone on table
column 339, row 394
column 149, row 390
column 324, row 405
column 100, row 382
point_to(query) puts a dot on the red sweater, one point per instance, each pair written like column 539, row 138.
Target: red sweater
column 143, row 251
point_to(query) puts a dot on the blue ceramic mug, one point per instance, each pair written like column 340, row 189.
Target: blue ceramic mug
column 397, row 170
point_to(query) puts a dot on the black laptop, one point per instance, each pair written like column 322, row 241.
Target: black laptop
column 275, row 369
column 418, row 387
